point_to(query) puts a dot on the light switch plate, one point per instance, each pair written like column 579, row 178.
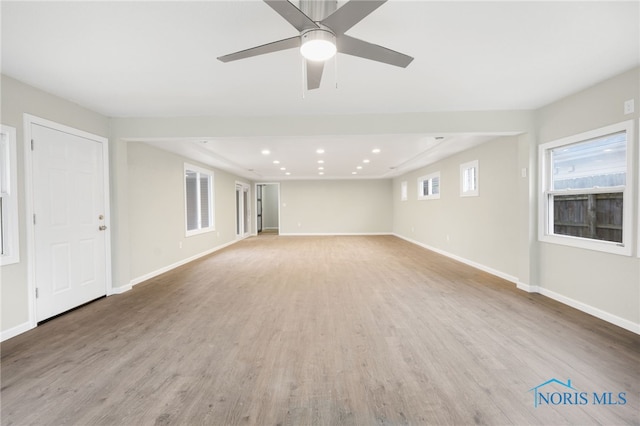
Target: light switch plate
column 629, row 106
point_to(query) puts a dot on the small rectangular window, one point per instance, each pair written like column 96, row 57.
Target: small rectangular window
column 9, row 238
column 403, row 191
column 198, row 184
column 429, row 186
column 585, row 190
column 469, row 179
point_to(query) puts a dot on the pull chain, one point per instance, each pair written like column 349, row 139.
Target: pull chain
column 304, row 76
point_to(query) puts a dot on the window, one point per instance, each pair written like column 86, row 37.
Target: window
column 585, row 190
column 9, row 250
column 429, row 186
column 403, row 190
column 198, row 190
column 469, row 179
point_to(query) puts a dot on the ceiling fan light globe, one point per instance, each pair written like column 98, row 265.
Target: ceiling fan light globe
column 318, row 45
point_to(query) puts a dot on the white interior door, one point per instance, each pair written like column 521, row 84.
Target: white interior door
column 69, row 220
column 242, row 210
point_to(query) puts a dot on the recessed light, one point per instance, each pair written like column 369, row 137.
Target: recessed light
column 288, row 173
column 320, row 151
column 366, row 160
column 320, row 173
column 359, row 167
column 283, row 168
column 376, row 150
column 320, row 168
column 320, row 161
column 354, row 173
column 266, row 152
column 276, row 162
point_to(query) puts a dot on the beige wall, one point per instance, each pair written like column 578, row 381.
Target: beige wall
column 482, row 229
column 270, row 206
column 336, row 207
column 18, row 99
column 156, row 210
column 606, row 282
column 496, row 230
column 500, row 233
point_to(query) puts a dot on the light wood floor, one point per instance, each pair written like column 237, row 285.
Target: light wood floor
column 318, row 330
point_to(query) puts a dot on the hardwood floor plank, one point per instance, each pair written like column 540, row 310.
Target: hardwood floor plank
column 318, row 330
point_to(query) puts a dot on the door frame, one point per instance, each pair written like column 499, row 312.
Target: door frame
column 246, row 209
column 255, row 219
column 28, row 121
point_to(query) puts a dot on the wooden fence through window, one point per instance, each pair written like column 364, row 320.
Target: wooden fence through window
column 595, row 216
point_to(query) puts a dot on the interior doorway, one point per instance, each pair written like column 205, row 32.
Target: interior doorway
column 68, row 209
column 268, row 208
column 243, row 210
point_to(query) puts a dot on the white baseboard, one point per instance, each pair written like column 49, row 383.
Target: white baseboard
column 331, row 234
column 160, row 271
column 14, row 331
column 120, row 290
column 598, row 313
column 526, row 287
column 476, row 265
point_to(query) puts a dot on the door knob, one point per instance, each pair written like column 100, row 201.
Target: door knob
column 102, row 227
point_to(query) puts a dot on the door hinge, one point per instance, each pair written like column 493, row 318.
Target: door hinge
column 34, row 218
column 31, row 144
column 37, row 294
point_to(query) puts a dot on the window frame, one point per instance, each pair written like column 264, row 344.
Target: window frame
column 545, row 213
column 463, row 168
column 200, row 171
column 10, row 242
column 404, row 190
column 429, row 179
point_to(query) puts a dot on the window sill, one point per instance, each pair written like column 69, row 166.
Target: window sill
column 199, row 231
column 587, row 244
column 9, row 260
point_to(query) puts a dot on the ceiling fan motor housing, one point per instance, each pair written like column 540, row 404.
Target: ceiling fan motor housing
column 318, row 44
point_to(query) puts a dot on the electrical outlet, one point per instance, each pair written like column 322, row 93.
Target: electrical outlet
column 629, row 106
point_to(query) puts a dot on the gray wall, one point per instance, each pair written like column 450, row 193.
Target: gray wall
column 336, row 207
column 156, row 210
column 487, row 230
column 606, row 282
column 498, row 230
column 480, row 229
column 17, row 99
column 270, row 207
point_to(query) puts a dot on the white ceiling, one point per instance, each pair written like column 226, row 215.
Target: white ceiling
column 158, row 59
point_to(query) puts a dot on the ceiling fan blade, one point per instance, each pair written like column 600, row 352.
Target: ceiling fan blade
column 356, row 47
column 350, row 14
column 292, row 14
column 314, row 74
column 287, row 43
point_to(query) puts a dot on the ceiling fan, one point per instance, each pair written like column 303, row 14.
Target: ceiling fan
column 322, row 26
